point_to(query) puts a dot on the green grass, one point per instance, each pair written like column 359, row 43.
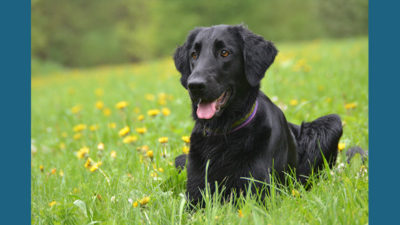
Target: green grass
column 323, row 76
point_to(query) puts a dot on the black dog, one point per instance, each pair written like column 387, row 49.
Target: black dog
column 238, row 129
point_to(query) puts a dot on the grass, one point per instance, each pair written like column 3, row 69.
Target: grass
column 308, row 80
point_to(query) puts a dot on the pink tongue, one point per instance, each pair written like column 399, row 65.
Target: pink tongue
column 206, row 110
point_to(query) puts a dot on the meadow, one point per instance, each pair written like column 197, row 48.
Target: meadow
column 104, row 141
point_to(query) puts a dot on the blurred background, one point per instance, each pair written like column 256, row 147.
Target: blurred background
column 84, row 33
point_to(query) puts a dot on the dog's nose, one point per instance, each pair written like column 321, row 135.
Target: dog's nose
column 196, row 86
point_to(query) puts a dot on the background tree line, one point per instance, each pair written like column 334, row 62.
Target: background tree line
column 79, row 33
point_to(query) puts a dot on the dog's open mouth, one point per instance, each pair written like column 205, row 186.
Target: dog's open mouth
column 206, row 110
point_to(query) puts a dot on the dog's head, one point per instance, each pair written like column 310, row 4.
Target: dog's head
column 221, row 63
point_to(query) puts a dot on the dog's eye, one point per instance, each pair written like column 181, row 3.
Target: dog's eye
column 224, row 53
column 194, row 55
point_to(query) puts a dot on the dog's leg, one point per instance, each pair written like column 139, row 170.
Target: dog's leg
column 180, row 161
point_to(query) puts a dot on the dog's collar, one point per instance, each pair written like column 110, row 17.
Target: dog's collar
column 238, row 124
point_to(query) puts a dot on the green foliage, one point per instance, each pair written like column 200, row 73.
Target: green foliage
column 307, row 80
column 86, row 33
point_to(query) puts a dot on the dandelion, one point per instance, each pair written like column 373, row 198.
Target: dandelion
column 144, row 200
column 136, row 110
column 135, row 204
column 295, row 193
column 293, row 102
column 163, row 140
column 77, row 136
column 144, row 148
column 112, row 125
column 62, row 145
column 88, row 163
column 141, row 130
column 41, row 167
column 149, row 97
column 153, row 174
column 99, row 105
column 113, row 154
column 99, row 92
column 51, row 204
column 185, row 149
column 240, row 213
column 94, row 127
column 79, row 127
column 140, row 117
column 83, row 152
column 53, row 171
column 161, row 170
column 100, row 146
column 341, row 146
column 350, row 105
column 186, row 139
column 95, row 166
column 130, row 139
column 76, row 109
column 107, row 111
column 61, row 173
column 328, row 99
column 165, row 111
column 153, row 112
column 124, row 131
column 150, row 154
column 121, row 105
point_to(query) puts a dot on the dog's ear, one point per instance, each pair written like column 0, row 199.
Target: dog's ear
column 258, row 55
column 181, row 57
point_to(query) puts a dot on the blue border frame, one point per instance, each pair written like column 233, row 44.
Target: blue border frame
column 15, row 61
column 384, row 111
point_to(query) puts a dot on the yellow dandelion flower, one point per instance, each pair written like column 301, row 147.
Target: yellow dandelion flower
column 328, row 99
column 99, row 105
column 295, row 193
column 113, row 154
column 53, row 171
column 64, row 134
column 141, row 130
column 186, row 139
column 293, row 102
column 79, row 127
column 100, row 146
column 136, row 110
column 140, row 117
column 144, row 200
column 165, row 111
column 121, row 105
column 150, row 154
column 153, row 112
column 144, row 148
column 77, row 136
column 88, row 163
column 94, row 127
column 99, row 92
column 83, row 152
column 76, row 109
column 124, row 131
column 153, row 174
column 163, row 140
column 149, row 97
column 185, row 149
column 341, row 146
column 112, row 125
column 350, row 105
column 41, row 167
column 61, row 173
column 107, row 111
column 62, row 145
column 161, row 170
column 240, row 213
column 135, row 204
column 130, row 139
column 162, row 101
column 51, row 204
column 95, row 166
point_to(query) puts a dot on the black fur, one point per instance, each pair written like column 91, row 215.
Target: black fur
column 268, row 143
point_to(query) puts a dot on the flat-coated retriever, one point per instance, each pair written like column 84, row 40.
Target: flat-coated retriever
column 237, row 127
